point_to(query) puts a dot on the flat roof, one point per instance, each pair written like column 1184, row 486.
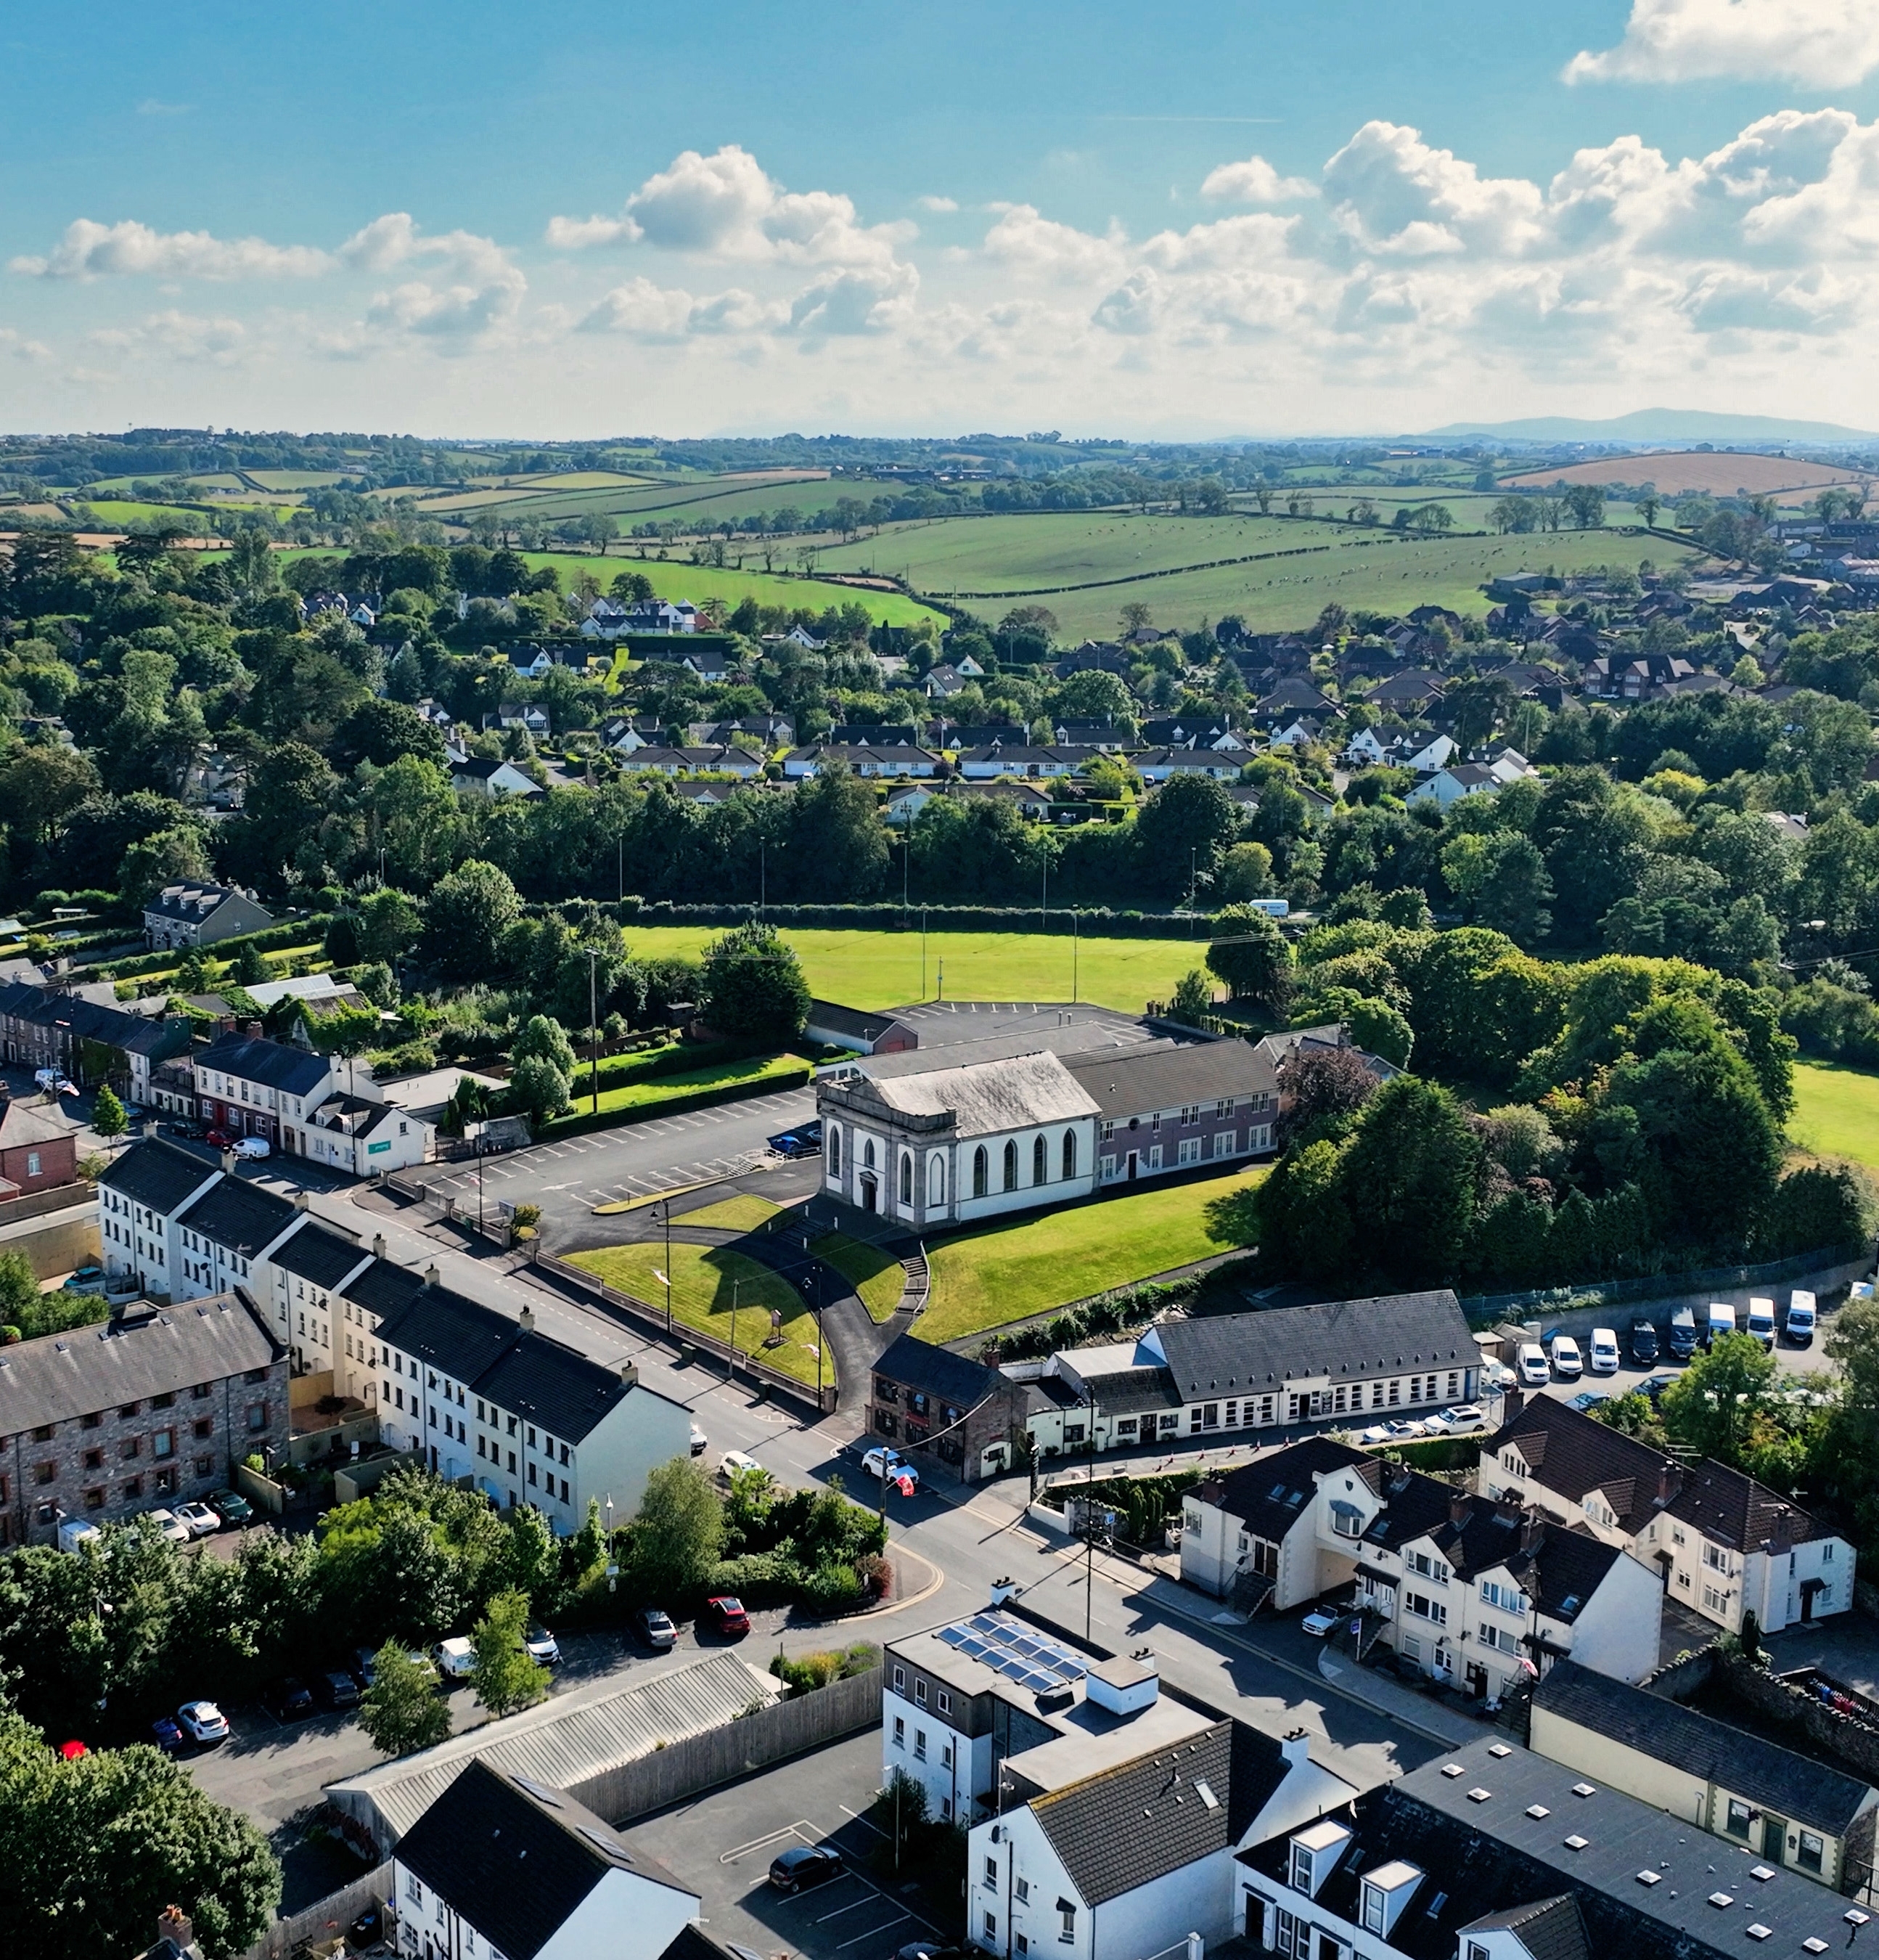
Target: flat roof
column 1090, row 1739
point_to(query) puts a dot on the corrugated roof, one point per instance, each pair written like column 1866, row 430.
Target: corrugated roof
column 561, row 1742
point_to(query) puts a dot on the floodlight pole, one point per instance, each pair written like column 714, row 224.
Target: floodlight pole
column 593, row 1030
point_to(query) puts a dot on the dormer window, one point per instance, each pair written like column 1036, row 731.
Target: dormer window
column 1373, row 1909
column 1302, row 1870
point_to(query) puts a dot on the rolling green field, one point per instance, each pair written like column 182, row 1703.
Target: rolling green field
column 871, row 970
column 707, row 1283
column 1836, row 1112
column 1004, row 1273
column 1361, row 568
column 675, row 579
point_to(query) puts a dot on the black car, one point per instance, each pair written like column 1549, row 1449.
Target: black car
column 1644, row 1348
column 287, row 1700
column 337, row 1690
column 804, row 1865
column 806, row 1142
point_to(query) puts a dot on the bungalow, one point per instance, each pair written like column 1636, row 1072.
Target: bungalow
column 1016, row 758
column 624, row 734
column 1292, row 698
column 941, row 683
column 529, row 662
column 761, row 731
column 710, row 665
column 739, row 762
column 1027, row 799
column 1449, row 786
column 1175, row 732
column 1298, row 734
column 491, row 777
column 1100, row 735
column 1157, row 765
column 437, row 715
column 519, row 714
column 1366, row 750
column 800, row 764
column 661, row 615
column 1412, row 692
column 878, row 735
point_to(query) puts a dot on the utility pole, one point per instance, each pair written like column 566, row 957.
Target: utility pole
column 1089, row 1515
column 763, row 876
column 593, row 1030
column 1076, row 949
column 923, row 952
column 621, row 841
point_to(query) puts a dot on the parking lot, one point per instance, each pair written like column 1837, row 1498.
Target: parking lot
column 721, row 1844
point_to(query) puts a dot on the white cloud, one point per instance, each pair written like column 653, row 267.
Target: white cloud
column 479, row 289
column 1391, row 192
column 931, row 203
column 727, row 206
column 16, row 346
column 645, row 311
column 90, row 250
column 1819, row 43
column 870, row 301
column 1030, row 243
column 1255, row 181
column 179, row 337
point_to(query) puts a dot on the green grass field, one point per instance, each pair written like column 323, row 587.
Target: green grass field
column 707, row 1283
column 676, row 578
column 1836, row 1112
column 883, row 970
column 1002, row 1272
column 636, row 1100
column 1360, row 568
column 878, row 1278
column 745, row 1212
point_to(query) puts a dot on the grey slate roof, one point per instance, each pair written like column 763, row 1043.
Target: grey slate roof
column 159, row 1174
column 457, row 1336
column 1132, row 1082
column 515, row 1858
column 938, row 1371
column 1271, row 1497
column 1124, row 1828
column 1551, row 1928
column 190, row 903
column 849, row 1020
column 271, row 1063
column 318, row 1253
column 1345, row 1340
column 986, row 1096
column 1826, row 1798
column 567, row 1395
column 150, row 1351
column 244, row 1217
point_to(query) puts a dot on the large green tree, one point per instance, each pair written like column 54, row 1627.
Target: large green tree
column 402, row 1711
column 505, row 1676
column 468, row 912
column 677, row 1532
column 753, row 987
column 1251, row 955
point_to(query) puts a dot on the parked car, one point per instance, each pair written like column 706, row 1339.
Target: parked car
column 1681, row 1338
column 201, row 1522
column 1587, row 1400
column 253, row 1147
column 1405, row 1430
column 700, row 1441
column 337, row 1690
column 288, row 1699
column 217, row 1139
column 539, row 1644
column 1643, row 1343
column 929, row 1949
column 1469, row 1415
column 365, row 1665
column 166, row 1735
column 1655, row 1386
column 1497, row 1376
column 87, row 1279
column 426, row 1667
column 1799, row 1325
column 172, row 1526
column 1603, row 1356
column 802, row 1866
column 733, row 1461
column 1319, row 1621
column 234, row 1510
column 806, row 1141
column 1377, row 1433
column 1567, row 1362
column 726, row 1614
column 1531, row 1362
column 880, row 1461
column 52, row 1081
column 654, row 1627
column 1720, row 1321
column 203, row 1722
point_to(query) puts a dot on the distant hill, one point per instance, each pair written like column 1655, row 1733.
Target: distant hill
column 1666, row 425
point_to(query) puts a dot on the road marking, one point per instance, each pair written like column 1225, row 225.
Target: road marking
column 867, row 1898
column 860, row 1819
column 803, row 1827
column 872, row 1931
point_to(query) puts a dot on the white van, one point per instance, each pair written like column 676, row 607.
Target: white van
column 455, row 1658
column 1603, row 1355
column 1800, row 1319
column 73, row 1531
column 733, row 1461
column 1721, row 1321
column 1532, row 1362
column 1761, row 1322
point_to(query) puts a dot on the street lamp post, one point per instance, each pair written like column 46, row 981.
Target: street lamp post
column 593, row 1029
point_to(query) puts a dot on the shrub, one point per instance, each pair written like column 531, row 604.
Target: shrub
column 831, row 1589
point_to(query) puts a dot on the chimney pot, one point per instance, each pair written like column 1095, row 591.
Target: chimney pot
column 378, row 1245
column 430, row 1276
column 228, row 1162
column 527, row 1319
column 1458, row 1507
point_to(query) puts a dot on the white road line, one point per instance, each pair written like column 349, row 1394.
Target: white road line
column 867, row 1898
column 874, row 1931
column 802, row 1828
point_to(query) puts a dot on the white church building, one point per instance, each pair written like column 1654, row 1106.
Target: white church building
column 952, row 1145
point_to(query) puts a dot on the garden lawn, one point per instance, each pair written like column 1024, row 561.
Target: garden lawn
column 1836, row 1112
column 1006, row 1272
column 872, row 970
column 746, row 1212
column 635, row 1100
column 879, row 1278
column 706, row 1279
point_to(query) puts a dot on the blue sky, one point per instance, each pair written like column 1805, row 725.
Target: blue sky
column 1217, row 219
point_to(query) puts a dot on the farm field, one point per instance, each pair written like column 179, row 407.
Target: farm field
column 1006, row 1272
column 709, row 500
column 711, row 1287
column 1722, row 472
column 872, row 970
column 1375, row 569
column 1836, row 1112
column 675, row 579
column 297, row 479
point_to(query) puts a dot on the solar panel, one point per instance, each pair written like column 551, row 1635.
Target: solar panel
column 1018, row 1652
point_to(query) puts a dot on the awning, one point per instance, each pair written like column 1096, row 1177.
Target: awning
column 1374, row 1578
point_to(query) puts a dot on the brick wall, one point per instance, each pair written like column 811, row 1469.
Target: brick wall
column 103, row 1467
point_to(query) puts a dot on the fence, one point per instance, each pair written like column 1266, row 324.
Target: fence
column 752, row 1742
column 644, row 1317
column 325, row 1919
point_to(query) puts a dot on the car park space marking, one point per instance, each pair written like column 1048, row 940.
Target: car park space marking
column 803, row 1827
column 860, row 1819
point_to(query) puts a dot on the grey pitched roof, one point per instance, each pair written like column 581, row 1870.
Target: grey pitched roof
column 24, row 1124
column 1345, row 1340
column 316, row 1253
column 849, row 1020
column 1827, row 1798
column 245, row 1217
column 1125, row 1828
column 984, row 1096
column 272, row 1063
column 159, row 1174
column 938, row 1371
column 145, row 1351
column 1551, row 1928
column 1131, row 1082
column 191, row 902
column 1270, row 1497
column 567, row 1395
column 515, row 1858
column 457, row 1336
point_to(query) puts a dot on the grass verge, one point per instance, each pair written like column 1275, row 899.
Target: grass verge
column 707, row 1281
column 745, row 1212
column 878, row 1278
column 1005, row 1272
column 1836, row 1112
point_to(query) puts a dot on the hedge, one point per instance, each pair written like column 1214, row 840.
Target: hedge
column 1098, row 922
column 563, row 1127
column 269, row 939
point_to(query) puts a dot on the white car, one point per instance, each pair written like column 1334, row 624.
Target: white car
column 1568, row 1364
column 1319, row 1622
column 1406, row 1431
column 201, row 1521
column 1469, row 1415
column 172, row 1526
column 203, row 1722
column 1377, row 1433
column 882, row 1463
column 539, row 1645
column 700, row 1441
column 1605, row 1356
column 253, row 1147
column 1532, row 1362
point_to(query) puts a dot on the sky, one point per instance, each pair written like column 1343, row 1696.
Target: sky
column 1228, row 219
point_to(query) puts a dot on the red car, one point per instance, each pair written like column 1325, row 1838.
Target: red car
column 217, row 1139
column 727, row 1615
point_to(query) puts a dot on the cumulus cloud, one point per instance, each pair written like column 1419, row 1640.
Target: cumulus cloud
column 1255, row 181
column 644, row 310
column 1393, row 193
column 477, row 288
column 1819, row 43
column 17, row 347
column 727, row 206
column 90, row 250
column 1027, row 243
column 931, row 203
column 181, row 336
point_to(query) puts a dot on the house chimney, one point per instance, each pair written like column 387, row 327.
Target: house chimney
column 1512, row 1401
column 1533, row 1528
column 174, row 1926
column 254, row 1030
column 1296, row 1748
column 527, row 1322
column 629, row 1374
column 150, row 1126
column 300, row 1201
column 430, row 1275
column 1458, row 1502
column 378, row 1245
column 1670, row 1480
column 228, row 1162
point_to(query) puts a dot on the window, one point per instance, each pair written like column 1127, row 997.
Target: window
column 1068, row 1935
column 1715, row 1602
column 131, row 1446
column 834, row 1153
column 919, row 1746
column 1373, row 1908
column 1715, row 1557
column 907, row 1179
column 1021, row 1891
column 944, row 1701
column 257, row 1417
column 1188, row 1151
column 204, row 1466
column 1010, row 1166
column 93, row 1421
column 1040, row 1162
column 164, row 1442
column 1420, row 1563
column 936, row 1180
column 43, row 1433
column 920, row 1693
column 133, row 1488
column 94, row 1500
column 1737, row 1825
column 1425, row 1609
column 981, row 1172
column 991, row 1874
column 1508, row 1598
column 991, row 1928
column 1191, row 1113
column 1813, row 1849
column 900, row 1731
column 1301, row 1868
column 203, row 1430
